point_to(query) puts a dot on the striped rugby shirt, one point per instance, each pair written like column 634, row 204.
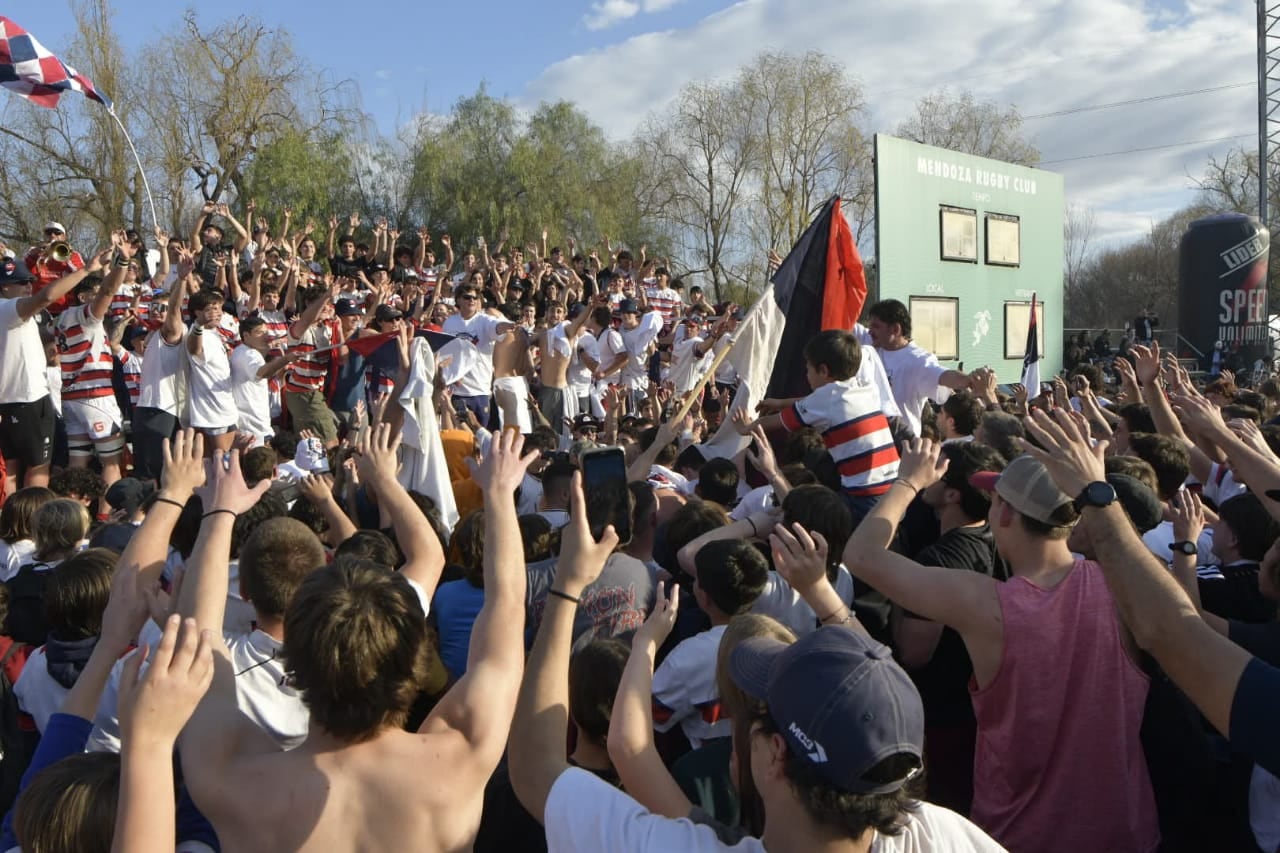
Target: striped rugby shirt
column 308, row 372
column 855, row 432
column 83, row 355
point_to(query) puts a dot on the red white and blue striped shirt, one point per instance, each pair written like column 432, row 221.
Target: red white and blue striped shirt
column 855, row 431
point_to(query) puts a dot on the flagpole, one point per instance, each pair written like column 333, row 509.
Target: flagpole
column 155, row 222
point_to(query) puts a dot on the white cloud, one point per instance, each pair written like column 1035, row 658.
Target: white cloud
column 1040, row 59
column 605, row 13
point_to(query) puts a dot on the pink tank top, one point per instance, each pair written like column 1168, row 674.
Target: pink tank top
column 1059, row 765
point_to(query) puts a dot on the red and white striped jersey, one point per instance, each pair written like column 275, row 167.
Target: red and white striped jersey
column 855, row 431
column 308, row 372
column 83, row 355
column 123, row 299
column 131, row 367
column 665, row 301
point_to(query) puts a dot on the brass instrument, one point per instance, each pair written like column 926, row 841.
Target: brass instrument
column 59, row 251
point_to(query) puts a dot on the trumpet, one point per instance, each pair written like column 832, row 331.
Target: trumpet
column 59, row 251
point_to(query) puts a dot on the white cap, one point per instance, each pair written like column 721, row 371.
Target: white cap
column 55, row 226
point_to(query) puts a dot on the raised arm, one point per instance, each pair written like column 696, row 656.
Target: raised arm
column 171, row 329
column 162, row 273
column 29, row 306
column 242, row 236
column 965, row 601
column 1255, row 469
column 480, row 705
column 1188, row 522
column 377, row 451
column 219, row 731
column 537, row 752
column 182, row 473
column 631, row 743
column 153, row 710
column 1203, row 663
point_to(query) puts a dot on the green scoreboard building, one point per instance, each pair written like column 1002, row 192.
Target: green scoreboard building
column 965, row 242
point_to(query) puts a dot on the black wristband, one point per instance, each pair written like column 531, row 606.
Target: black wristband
column 558, row 594
column 170, row 502
column 229, row 512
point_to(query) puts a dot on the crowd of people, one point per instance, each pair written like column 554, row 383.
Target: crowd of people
column 912, row 610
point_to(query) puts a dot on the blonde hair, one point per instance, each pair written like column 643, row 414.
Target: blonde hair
column 743, row 710
column 58, row 526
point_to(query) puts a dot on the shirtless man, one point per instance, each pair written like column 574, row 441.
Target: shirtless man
column 512, row 368
column 356, row 642
column 555, row 345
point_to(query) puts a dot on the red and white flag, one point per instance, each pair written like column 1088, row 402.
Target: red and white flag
column 28, row 68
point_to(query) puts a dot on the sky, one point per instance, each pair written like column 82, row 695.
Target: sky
column 620, row 59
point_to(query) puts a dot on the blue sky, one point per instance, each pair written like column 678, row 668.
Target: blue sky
column 405, row 56
column 620, row 59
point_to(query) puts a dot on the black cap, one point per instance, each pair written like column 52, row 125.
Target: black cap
column 377, row 268
column 128, row 494
column 14, row 272
column 585, row 421
column 629, row 306
column 386, row 313
column 347, row 308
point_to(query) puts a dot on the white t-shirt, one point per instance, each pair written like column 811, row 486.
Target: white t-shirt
column 482, row 331
column 686, row 367
column 37, row 692
column 914, row 373
column 871, row 372
column 637, row 342
column 262, row 692
column 161, row 369
column 685, row 691
column 585, row 814
column 579, row 375
column 609, row 345
column 786, row 605
column 252, row 395
column 213, row 406
column 22, row 359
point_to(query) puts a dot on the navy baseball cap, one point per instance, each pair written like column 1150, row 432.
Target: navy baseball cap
column 14, row 272
column 629, row 306
column 840, row 701
column 347, row 308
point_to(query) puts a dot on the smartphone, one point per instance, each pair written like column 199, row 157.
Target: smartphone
column 604, row 481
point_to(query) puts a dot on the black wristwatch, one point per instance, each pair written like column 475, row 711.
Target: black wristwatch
column 1186, row 547
column 1099, row 494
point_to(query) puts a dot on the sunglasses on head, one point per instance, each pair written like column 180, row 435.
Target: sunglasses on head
column 52, row 231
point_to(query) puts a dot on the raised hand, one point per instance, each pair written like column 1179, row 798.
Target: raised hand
column 1146, row 363
column 317, row 488
column 208, row 207
column 1065, row 449
column 1187, row 516
column 333, row 222
column 155, row 706
column 183, row 470
column 922, row 464
column 354, row 221
column 662, row 619
column 229, row 489
column 799, row 556
column 503, row 467
column 760, row 452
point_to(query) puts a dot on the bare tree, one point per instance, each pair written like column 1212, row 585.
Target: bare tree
column 703, row 154
column 805, row 111
column 962, row 123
